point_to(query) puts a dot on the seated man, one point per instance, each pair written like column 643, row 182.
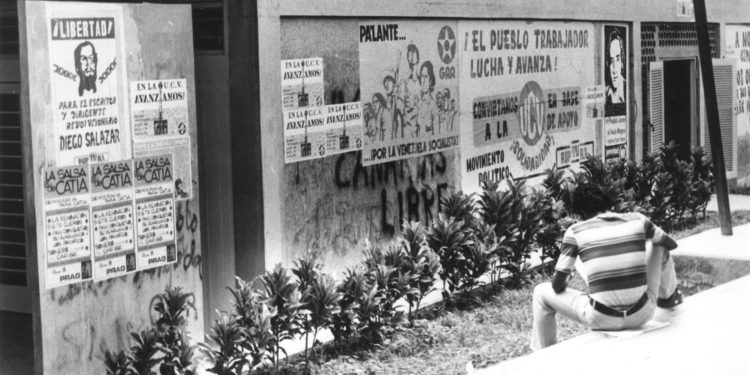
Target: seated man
column 626, row 278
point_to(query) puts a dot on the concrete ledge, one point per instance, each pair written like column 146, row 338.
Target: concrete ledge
column 706, row 334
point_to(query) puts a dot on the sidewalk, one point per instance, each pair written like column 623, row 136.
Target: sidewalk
column 706, row 335
column 736, row 202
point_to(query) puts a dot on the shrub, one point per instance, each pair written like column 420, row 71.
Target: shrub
column 702, row 182
column 554, row 182
column 663, row 187
column 449, row 239
column 253, row 317
column 552, row 226
column 282, row 297
column 459, row 206
column 117, row 363
column 515, row 214
column 392, row 281
column 173, row 307
column 227, row 338
column 420, row 262
column 344, row 321
column 164, row 344
column 323, row 304
column 145, row 350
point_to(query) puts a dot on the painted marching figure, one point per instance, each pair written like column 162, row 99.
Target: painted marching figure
column 427, row 111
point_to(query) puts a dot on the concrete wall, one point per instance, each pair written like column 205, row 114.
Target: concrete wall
column 326, row 205
column 76, row 323
column 331, row 206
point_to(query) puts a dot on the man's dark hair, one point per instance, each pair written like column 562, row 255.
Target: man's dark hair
column 589, row 199
column 614, row 34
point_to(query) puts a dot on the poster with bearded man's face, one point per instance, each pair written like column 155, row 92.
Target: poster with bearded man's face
column 85, row 62
column 87, row 78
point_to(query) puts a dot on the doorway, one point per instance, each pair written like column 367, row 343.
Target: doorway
column 680, row 109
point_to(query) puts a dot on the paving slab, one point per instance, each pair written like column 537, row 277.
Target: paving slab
column 736, row 202
column 712, row 244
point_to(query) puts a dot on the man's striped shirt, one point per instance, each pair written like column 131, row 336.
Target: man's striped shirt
column 612, row 248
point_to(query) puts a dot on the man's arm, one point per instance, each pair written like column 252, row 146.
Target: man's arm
column 566, row 261
column 659, row 237
column 560, row 281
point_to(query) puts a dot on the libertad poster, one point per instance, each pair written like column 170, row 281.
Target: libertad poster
column 409, row 82
column 522, row 88
column 90, row 122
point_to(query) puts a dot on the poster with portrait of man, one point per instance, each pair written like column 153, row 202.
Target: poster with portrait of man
column 409, row 82
column 615, row 70
column 87, row 79
column 616, row 94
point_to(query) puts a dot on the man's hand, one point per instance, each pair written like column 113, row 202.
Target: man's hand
column 559, row 281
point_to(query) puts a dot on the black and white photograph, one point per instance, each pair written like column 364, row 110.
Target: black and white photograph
column 328, row 187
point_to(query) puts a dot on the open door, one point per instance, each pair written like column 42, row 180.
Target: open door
column 656, row 105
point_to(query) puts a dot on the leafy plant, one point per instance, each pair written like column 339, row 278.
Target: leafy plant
column 459, row 206
column 145, row 350
column 323, row 304
column 420, row 262
column 173, row 307
column 479, row 259
column 224, row 348
column 702, row 182
column 368, row 315
column 306, row 270
column 449, row 239
column 253, row 317
column 391, row 283
column 344, row 322
column 554, row 182
column 117, row 363
column 281, row 295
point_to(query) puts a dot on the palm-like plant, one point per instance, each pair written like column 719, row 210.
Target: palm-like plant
column 449, row 239
column 351, row 288
column 145, row 350
column 173, row 307
column 459, row 206
column 306, row 270
column 117, row 363
column 323, row 305
column 282, row 295
column 419, row 262
column 224, row 346
column 554, row 182
column 368, row 315
column 250, row 313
